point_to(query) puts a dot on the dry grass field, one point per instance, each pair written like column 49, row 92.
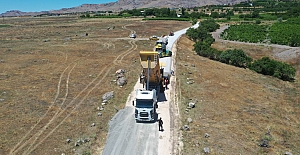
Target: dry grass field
column 236, row 107
column 53, row 73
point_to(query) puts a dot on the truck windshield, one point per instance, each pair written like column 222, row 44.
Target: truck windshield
column 144, row 103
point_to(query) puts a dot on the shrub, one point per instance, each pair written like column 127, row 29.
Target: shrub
column 235, row 57
column 273, row 68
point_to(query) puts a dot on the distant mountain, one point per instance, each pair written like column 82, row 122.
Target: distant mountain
column 126, row 5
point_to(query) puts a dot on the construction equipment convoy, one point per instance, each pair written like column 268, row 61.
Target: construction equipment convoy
column 152, row 80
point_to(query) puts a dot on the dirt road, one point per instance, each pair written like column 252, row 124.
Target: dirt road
column 127, row 137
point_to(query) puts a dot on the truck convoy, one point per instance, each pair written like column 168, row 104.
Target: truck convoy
column 151, row 78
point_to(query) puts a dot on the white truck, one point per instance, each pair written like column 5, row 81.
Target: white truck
column 145, row 105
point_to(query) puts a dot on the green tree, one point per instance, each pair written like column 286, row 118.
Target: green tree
column 214, row 15
column 273, row 68
column 192, row 34
column 236, row 58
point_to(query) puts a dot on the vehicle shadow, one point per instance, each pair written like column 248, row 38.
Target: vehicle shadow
column 161, row 97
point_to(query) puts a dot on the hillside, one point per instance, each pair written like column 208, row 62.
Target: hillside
column 125, row 5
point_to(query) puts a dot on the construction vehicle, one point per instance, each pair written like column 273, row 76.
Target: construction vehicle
column 145, row 105
column 162, row 51
column 161, row 48
column 152, row 74
column 152, row 80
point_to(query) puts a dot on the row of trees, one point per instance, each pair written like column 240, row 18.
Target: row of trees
column 203, row 40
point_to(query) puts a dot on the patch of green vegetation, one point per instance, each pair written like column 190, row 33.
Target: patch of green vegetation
column 246, row 33
column 286, row 33
column 166, row 18
column 4, row 25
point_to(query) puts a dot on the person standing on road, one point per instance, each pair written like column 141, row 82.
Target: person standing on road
column 166, row 83
column 160, row 124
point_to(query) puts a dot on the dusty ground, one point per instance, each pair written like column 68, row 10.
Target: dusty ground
column 236, row 107
column 53, row 73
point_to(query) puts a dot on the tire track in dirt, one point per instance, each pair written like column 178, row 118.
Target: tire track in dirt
column 120, row 57
column 15, row 148
column 54, row 129
column 116, row 61
column 38, row 134
column 132, row 31
column 60, row 112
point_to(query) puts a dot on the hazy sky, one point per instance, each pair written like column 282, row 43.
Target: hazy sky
column 44, row 5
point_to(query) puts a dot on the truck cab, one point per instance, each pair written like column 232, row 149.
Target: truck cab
column 145, row 105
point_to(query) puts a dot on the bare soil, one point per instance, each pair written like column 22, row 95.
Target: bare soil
column 54, row 71
column 236, row 107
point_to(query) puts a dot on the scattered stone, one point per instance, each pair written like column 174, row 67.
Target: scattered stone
column 121, row 81
column 190, row 72
column 93, row 124
column 206, row 135
column 264, row 143
column 63, row 154
column 185, row 64
column 120, row 71
column 99, row 114
column 68, row 140
column 206, row 150
column 2, row 61
column 104, row 101
column 190, row 120
column 76, row 144
column 120, row 75
column 192, row 105
column 186, row 128
column 2, row 100
column 100, row 108
column 67, row 39
column 193, row 65
column 46, row 40
column 108, row 96
column 288, row 153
